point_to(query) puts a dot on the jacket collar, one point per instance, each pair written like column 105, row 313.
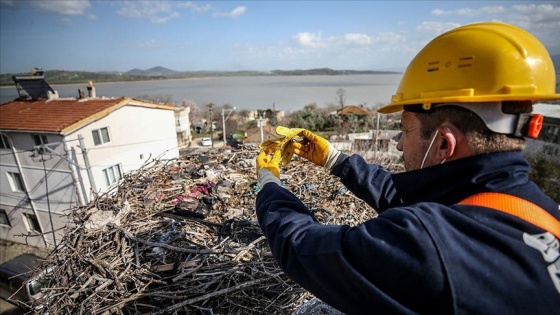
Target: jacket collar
column 453, row 181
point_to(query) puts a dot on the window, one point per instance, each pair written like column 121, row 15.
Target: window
column 100, row 136
column 4, row 142
column 4, row 220
column 550, row 133
column 16, row 182
column 112, row 174
column 551, row 150
column 32, row 223
column 40, row 139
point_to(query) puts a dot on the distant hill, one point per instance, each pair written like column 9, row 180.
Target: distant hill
column 165, row 72
column 327, row 71
column 162, row 73
column 155, row 72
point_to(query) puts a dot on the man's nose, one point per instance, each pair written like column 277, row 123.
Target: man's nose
column 398, row 138
column 400, row 146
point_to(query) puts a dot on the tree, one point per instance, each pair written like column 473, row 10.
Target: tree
column 195, row 114
column 341, row 97
column 244, row 114
column 313, row 118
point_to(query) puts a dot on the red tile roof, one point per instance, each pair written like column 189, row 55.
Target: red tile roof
column 61, row 115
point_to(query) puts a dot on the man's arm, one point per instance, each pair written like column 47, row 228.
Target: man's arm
column 378, row 266
column 369, row 182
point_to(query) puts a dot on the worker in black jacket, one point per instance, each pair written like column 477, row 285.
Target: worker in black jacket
column 463, row 230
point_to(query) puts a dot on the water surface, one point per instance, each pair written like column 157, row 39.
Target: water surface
column 287, row 93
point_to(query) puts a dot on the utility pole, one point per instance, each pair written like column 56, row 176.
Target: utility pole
column 261, row 126
column 82, row 146
column 211, row 124
column 224, row 123
column 47, row 194
column 377, row 133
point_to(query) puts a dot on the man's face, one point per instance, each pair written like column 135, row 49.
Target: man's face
column 411, row 143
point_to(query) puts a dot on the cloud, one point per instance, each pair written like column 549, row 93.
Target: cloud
column 155, row 11
column 539, row 14
column 310, row 40
column 470, row 12
column 436, row 28
column 65, row 7
column 194, row 7
column 235, row 13
column 8, row 3
column 358, row 39
column 542, row 20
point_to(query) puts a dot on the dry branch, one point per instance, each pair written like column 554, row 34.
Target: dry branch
column 180, row 237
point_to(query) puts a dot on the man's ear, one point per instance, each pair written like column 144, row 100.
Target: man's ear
column 448, row 143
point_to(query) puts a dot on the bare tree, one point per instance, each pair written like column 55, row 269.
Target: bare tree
column 244, row 115
column 341, row 97
column 195, row 115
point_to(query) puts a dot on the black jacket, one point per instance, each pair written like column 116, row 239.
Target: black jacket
column 423, row 253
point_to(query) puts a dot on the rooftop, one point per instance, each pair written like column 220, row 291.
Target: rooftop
column 62, row 115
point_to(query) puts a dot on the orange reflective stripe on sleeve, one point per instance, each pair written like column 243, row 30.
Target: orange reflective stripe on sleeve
column 518, row 207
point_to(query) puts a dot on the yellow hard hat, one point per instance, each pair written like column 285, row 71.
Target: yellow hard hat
column 481, row 62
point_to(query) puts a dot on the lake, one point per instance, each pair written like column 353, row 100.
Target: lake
column 288, row 93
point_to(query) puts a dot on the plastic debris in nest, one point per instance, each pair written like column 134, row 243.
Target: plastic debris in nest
column 196, row 248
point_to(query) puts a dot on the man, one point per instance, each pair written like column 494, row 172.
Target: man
column 463, row 230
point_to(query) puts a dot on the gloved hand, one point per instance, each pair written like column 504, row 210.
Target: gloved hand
column 316, row 149
column 268, row 166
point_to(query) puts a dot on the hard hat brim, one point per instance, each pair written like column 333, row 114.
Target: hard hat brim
column 398, row 106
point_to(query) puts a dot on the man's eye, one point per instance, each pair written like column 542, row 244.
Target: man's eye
column 409, row 130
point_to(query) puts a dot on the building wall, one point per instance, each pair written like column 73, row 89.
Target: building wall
column 183, row 126
column 137, row 134
column 48, row 191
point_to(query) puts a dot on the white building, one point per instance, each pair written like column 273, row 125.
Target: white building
column 57, row 153
column 183, row 125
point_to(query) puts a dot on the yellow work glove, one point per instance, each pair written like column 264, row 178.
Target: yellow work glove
column 283, row 143
column 268, row 166
column 316, row 149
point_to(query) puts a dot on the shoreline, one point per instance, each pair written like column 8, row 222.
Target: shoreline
column 208, row 78
column 113, row 82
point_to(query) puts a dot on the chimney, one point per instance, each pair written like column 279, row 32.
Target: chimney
column 91, row 90
column 52, row 95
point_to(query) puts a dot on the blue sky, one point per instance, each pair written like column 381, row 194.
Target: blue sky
column 244, row 35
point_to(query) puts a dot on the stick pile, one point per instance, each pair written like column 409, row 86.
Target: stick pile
column 180, row 237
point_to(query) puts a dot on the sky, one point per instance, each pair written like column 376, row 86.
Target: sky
column 95, row 35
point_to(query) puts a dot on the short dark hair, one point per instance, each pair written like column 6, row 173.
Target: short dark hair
column 481, row 139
